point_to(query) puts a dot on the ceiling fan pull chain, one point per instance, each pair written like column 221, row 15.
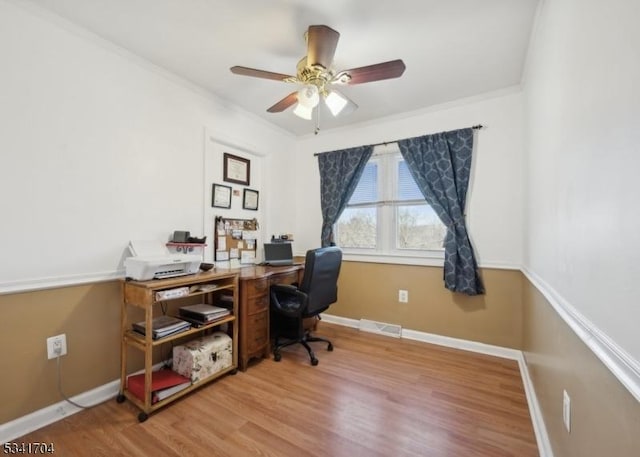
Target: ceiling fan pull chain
column 317, row 119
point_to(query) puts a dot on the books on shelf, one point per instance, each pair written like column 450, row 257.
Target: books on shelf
column 225, row 300
column 161, row 394
column 204, row 288
column 164, row 383
column 163, row 326
column 203, row 313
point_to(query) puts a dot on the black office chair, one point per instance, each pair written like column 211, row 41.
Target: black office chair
column 291, row 304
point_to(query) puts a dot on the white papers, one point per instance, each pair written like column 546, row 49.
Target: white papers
column 249, row 234
column 248, row 257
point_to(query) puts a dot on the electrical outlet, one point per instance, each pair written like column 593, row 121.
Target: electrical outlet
column 56, row 346
column 566, row 410
column 403, row 296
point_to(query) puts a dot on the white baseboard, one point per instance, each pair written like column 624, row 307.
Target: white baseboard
column 344, row 321
column 465, row 345
column 542, row 438
column 45, row 416
column 26, row 424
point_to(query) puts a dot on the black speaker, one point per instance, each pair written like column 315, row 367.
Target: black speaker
column 180, row 237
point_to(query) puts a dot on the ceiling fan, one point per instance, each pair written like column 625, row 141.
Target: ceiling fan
column 315, row 73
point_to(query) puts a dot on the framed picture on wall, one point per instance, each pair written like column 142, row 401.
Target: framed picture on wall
column 236, row 169
column 221, row 196
column 250, row 199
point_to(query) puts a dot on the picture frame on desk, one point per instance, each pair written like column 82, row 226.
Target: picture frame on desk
column 250, row 199
column 221, row 196
column 236, row 169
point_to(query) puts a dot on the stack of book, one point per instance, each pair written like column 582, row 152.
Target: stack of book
column 226, row 301
column 164, row 383
column 163, row 326
column 202, row 314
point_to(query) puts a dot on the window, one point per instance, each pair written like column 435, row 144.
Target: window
column 387, row 213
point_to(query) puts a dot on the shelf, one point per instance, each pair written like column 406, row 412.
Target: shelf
column 139, row 340
column 196, row 293
column 140, row 404
column 142, row 294
column 175, row 243
column 186, row 247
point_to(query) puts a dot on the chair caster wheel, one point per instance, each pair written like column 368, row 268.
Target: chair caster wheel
column 277, row 357
column 142, row 417
column 120, row 398
column 330, row 347
column 314, row 362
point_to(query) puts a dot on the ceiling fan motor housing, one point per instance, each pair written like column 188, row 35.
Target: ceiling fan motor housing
column 315, row 75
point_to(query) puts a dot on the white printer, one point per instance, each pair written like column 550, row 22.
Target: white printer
column 152, row 260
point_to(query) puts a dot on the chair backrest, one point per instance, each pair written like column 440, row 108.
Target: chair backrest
column 320, row 280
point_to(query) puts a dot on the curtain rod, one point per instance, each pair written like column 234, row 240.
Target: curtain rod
column 475, row 127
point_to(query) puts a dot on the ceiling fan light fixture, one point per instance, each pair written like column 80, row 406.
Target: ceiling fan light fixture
column 304, row 112
column 309, row 96
column 335, row 102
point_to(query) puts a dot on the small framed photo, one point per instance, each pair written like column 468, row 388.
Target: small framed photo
column 221, row 196
column 236, row 169
column 250, row 199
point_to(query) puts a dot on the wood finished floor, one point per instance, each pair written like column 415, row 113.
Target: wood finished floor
column 371, row 396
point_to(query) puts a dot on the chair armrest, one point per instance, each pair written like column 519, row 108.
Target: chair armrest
column 288, row 300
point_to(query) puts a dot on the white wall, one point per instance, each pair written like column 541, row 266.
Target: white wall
column 582, row 99
column 98, row 147
column 494, row 209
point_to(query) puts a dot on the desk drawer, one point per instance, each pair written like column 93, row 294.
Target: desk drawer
column 285, row 278
column 258, row 304
column 257, row 331
column 256, row 287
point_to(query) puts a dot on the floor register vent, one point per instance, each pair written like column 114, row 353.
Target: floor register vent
column 381, row 328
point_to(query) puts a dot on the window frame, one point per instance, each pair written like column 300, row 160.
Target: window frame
column 387, row 206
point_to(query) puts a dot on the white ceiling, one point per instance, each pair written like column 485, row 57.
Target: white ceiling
column 452, row 48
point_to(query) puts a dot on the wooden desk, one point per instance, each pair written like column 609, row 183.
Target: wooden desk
column 254, row 283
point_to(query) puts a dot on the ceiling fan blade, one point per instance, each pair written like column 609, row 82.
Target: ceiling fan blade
column 321, row 45
column 377, row 72
column 285, row 103
column 245, row 71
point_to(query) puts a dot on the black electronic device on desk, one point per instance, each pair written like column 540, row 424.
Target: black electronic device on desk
column 281, row 238
column 278, row 254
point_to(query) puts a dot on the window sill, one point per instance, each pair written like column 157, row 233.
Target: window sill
column 432, row 260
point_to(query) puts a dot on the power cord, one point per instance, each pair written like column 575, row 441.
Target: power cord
column 60, row 385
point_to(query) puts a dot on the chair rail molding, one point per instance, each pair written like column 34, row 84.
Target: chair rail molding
column 619, row 362
column 28, row 285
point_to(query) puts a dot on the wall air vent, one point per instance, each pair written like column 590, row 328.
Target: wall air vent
column 380, row 328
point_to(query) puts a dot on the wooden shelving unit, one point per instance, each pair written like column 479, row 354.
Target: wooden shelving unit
column 142, row 294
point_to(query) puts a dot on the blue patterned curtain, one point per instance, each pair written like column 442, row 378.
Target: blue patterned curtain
column 340, row 172
column 440, row 165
